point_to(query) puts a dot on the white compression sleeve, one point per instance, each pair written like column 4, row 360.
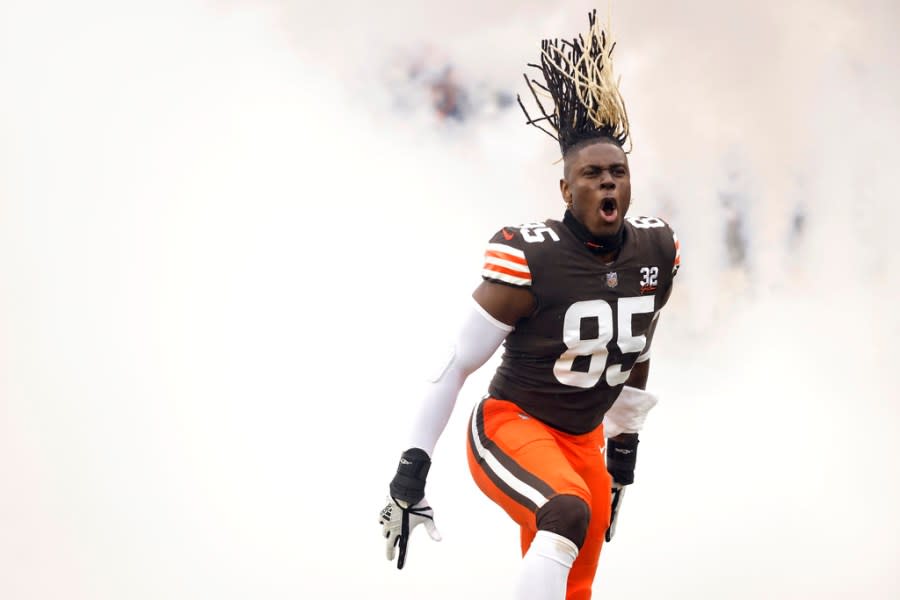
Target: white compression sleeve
column 478, row 338
column 545, row 568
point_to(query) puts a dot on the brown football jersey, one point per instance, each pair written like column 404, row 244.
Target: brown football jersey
column 567, row 362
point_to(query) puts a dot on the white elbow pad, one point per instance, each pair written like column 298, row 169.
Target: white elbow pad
column 628, row 412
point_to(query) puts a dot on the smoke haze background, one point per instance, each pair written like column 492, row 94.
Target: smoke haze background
column 226, row 258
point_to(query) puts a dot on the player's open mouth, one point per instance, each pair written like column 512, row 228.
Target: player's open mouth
column 608, row 210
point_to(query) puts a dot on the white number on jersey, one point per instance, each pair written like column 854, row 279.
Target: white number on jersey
column 595, row 348
column 646, row 222
column 649, row 276
column 534, row 232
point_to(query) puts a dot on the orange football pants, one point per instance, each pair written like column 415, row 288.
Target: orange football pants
column 520, row 463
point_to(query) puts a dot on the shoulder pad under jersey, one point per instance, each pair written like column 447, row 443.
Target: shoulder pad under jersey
column 662, row 234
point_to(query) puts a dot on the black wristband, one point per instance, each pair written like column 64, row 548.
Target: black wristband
column 408, row 484
column 621, row 457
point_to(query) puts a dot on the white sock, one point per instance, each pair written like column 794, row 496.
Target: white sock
column 545, row 568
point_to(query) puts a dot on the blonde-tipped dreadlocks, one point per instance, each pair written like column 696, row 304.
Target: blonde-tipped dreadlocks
column 578, row 77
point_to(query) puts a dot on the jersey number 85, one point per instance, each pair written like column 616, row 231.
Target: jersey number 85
column 595, row 348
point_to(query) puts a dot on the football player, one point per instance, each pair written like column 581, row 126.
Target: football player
column 575, row 303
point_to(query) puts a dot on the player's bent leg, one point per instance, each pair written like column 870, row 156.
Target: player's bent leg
column 516, row 462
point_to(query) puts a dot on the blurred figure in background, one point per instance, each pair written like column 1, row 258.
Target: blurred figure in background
column 448, row 97
column 424, row 79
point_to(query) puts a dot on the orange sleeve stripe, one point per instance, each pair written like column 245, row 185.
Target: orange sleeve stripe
column 504, row 256
column 498, row 269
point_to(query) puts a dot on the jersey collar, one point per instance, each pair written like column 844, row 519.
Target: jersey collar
column 596, row 244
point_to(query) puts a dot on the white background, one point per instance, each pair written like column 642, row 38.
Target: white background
column 225, row 261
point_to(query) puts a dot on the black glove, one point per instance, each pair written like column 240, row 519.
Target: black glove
column 621, row 456
column 408, row 484
column 401, row 515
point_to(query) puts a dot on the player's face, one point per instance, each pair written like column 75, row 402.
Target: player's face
column 597, row 187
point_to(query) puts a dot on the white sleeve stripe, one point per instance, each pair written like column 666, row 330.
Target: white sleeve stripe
column 498, row 324
column 506, row 250
column 504, row 277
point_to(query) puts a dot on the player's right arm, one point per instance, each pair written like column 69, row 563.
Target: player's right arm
column 498, row 305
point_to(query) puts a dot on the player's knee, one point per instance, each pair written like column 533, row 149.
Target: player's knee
column 565, row 515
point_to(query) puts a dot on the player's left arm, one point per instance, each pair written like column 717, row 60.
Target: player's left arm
column 622, row 423
column 626, row 417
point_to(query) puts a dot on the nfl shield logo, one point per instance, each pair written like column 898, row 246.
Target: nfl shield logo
column 612, row 279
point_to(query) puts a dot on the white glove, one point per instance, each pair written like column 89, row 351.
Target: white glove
column 398, row 523
column 618, row 495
